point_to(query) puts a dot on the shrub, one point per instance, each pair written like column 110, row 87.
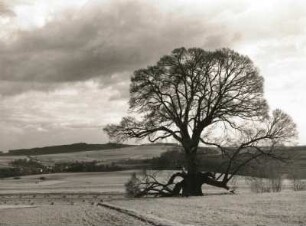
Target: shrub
column 297, row 175
column 92, row 166
column 276, row 184
column 299, row 185
column 42, row 178
column 25, row 163
column 132, row 186
column 172, row 159
column 267, row 178
column 234, row 183
column 264, row 185
column 259, row 185
column 28, row 166
column 10, row 172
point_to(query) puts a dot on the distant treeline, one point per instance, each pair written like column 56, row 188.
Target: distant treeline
column 92, row 166
column 78, row 147
column 22, row 167
column 208, row 159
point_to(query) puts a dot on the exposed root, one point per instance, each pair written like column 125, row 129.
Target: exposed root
column 179, row 184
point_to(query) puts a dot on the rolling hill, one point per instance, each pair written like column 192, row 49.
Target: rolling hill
column 81, row 152
column 131, row 156
column 77, row 147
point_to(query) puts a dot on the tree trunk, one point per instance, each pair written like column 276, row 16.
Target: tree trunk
column 193, row 181
column 192, row 184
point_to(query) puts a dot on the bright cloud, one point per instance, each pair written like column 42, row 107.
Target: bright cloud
column 65, row 65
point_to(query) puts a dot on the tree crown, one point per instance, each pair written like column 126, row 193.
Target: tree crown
column 189, row 90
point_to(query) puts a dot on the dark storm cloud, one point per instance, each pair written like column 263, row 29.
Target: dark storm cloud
column 101, row 40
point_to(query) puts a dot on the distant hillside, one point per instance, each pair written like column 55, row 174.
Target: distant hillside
column 77, row 147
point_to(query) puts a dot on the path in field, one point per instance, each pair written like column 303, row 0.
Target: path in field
column 65, row 215
column 148, row 218
column 70, row 209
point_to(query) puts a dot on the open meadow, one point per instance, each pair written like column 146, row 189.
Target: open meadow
column 98, row 199
column 130, row 112
column 105, row 156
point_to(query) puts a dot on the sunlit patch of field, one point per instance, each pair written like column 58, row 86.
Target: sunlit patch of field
column 67, row 182
column 105, row 156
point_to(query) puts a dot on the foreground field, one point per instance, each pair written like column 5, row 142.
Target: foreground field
column 285, row 208
column 98, row 199
column 64, row 215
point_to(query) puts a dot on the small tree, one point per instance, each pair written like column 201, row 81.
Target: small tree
column 190, row 93
column 132, row 187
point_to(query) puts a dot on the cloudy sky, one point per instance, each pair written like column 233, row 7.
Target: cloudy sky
column 65, row 64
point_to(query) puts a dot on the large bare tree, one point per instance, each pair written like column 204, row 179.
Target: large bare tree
column 191, row 91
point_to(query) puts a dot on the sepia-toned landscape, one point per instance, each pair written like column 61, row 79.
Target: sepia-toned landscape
column 99, row 198
column 131, row 112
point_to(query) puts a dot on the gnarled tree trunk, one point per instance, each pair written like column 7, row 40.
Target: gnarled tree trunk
column 192, row 183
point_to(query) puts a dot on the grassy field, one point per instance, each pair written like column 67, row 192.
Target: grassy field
column 285, row 208
column 84, row 199
column 106, row 156
column 64, row 214
column 129, row 152
column 5, row 160
column 112, row 182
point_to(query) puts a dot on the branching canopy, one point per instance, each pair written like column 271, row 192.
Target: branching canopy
column 189, row 90
column 192, row 92
column 251, row 142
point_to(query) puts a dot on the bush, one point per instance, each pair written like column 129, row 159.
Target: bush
column 276, row 184
column 259, row 185
column 172, row 159
column 264, row 185
column 132, row 186
column 234, row 183
column 297, row 175
column 10, row 172
column 25, row 163
column 299, row 185
column 92, row 166
column 28, row 166
column 267, row 178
